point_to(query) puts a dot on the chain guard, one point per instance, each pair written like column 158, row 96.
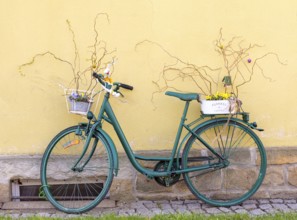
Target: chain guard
column 166, row 180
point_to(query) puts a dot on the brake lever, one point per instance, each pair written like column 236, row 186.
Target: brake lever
column 121, row 94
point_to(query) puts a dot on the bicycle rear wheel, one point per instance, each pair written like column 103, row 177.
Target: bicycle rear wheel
column 235, row 176
column 72, row 181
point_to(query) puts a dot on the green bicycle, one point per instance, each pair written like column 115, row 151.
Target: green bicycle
column 221, row 159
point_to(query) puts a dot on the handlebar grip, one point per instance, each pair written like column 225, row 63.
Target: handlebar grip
column 125, row 86
column 99, row 77
column 96, row 75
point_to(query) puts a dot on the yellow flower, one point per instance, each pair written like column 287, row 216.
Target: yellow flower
column 218, row 96
column 208, row 97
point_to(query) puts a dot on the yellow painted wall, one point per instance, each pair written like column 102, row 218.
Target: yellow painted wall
column 32, row 108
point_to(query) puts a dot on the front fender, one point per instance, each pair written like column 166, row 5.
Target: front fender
column 108, row 141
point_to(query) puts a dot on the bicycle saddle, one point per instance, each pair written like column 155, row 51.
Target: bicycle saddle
column 184, row 96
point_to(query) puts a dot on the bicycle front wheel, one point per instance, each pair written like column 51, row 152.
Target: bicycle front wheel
column 76, row 178
column 236, row 163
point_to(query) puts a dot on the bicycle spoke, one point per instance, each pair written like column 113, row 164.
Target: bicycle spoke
column 218, row 138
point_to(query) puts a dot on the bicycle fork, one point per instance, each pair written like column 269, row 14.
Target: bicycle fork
column 89, row 134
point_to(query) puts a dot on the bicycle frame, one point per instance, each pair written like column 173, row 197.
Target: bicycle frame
column 106, row 113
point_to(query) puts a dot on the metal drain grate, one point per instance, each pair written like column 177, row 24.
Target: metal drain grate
column 25, row 190
column 28, row 190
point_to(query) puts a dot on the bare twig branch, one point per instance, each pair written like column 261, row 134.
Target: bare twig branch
column 237, row 64
column 182, row 70
column 42, row 55
column 98, row 54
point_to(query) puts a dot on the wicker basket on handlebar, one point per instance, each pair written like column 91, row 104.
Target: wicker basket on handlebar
column 79, row 101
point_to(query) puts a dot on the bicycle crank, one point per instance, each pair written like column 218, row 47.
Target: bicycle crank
column 166, row 180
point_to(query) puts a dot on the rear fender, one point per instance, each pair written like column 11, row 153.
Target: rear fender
column 218, row 120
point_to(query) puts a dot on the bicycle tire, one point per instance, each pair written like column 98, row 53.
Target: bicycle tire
column 244, row 169
column 76, row 191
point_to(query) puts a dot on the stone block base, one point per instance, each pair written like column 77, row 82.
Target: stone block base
column 129, row 185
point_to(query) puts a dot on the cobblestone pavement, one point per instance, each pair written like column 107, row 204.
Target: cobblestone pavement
column 151, row 208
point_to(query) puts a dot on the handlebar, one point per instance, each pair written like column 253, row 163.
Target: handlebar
column 118, row 85
column 125, row 86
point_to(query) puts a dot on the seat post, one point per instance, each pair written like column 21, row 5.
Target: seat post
column 187, row 104
column 181, row 124
column 179, row 132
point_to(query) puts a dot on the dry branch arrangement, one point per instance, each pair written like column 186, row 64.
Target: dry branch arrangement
column 238, row 66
